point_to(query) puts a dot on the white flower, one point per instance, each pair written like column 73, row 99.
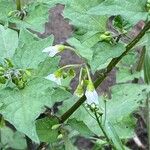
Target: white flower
column 92, row 97
column 53, row 50
column 53, row 78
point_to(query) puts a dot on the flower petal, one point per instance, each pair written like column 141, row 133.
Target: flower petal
column 51, row 50
column 92, row 97
column 53, row 78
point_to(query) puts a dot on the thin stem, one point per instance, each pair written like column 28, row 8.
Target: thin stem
column 88, row 73
column 101, row 127
column 148, row 117
column 70, row 48
column 110, row 66
column 105, row 113
column 69, row 66
column 18, row 4
column 80, row 75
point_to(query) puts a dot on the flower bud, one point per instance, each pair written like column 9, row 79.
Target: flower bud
column 56, row 126
column 79, row 91
column 104, row 37
column 60, row 136
column 2, row 80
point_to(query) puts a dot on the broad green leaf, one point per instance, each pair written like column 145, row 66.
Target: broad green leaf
column 129, row 59
column 37, row 15
column 126, row 98
column 44, row 129
column 125, row 74
column 146, row 42
column 132, row 11
column 104, row 52
column 147, row 68
column 76, row 11
column 81, row 50
column 11, row 139
column 80, row 126
column 8, row 42
column 29, row 52
column 68, row 144
column 111, row 132
column 50, row 65
column 22, row 107
column 52, row 2
column 6, row 6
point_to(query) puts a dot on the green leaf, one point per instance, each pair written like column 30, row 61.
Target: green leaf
column 12, row 139
column 124, row 74
column 29, row 52
column 147, row 67
column 80, row 49
column 22, row 107
column 36, row 17
column 52, row 2
column 126, row 98
column 6, row 6
column 44, row 129
column 8, row 42
column 114, row 136
column 50, row 65
column 104, row 52
column 80, row 126
column 132, row 11
column 76, row 11
column 68, row 144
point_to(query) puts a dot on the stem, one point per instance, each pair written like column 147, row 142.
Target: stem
column 110, row 66
column 70, row 48
column 72, row 65
column 88, row 73
column 18, row 4
column 80, row 75
column 101, row 127
column 148, row 118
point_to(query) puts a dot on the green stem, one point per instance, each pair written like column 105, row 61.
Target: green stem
column 71, row 65
column 148, row 118
column 101, row 127
column 18, row 4
column 88, row 73
column 80, row 75
column 110, row 66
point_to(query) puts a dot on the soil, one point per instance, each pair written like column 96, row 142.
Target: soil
column 61, row 30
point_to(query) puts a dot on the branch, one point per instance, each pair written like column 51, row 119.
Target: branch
column 110, row 66
column 18, row 4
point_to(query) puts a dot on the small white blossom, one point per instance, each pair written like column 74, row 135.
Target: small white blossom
column 53, row 50
column 53, row 78
column 92, row 97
